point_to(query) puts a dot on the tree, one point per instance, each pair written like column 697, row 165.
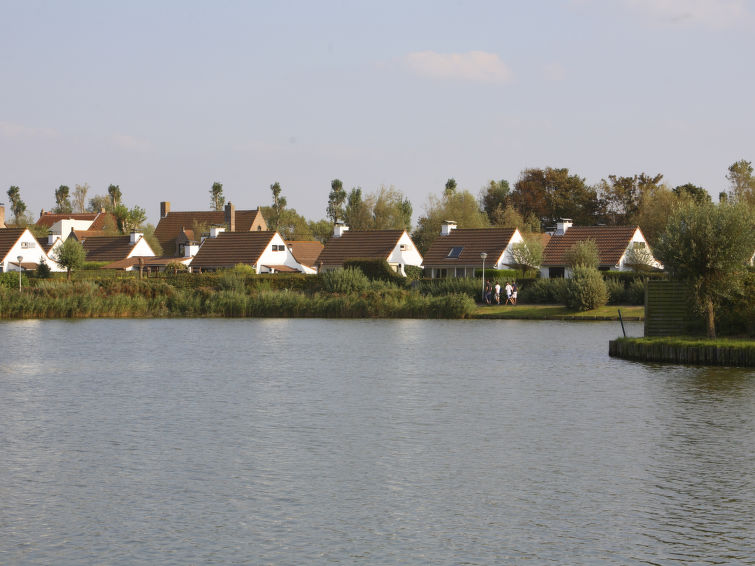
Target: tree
column 708, row 246
column 639, row 258
column 586, row 289
column 129, row 219
column 321, row 230
column 279, row 204
column 17, row 205
column 80, row 197
column 217, row 200
column 621, row 197
column 450, row 186
column 336, row 198
column 527, row 254
column 689, row 190
column 742, row 182
column 554, row 193
column 461, row 207
column 62, row 200
column 583, row 254
column 391, row 210
column 357, row 214
column 494, row 199
column 70, row 255
column 655, row 209
column 100, row 202
column 114, row 192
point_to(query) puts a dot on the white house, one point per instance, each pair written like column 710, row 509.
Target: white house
column 394, row 246
column 264, row 250
column 20, row 242
column 457, row 252
column 613, row 243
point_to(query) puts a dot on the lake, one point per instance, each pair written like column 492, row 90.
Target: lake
column 272, row 441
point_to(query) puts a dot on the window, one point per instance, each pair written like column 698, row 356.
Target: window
column 403, row 247
column 27, row 245
column 279, row 247
column 555, row 272
column 455, row 252
column 638, row 245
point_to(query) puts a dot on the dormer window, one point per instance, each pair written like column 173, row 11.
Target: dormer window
column 455, row 252
column 403, row 247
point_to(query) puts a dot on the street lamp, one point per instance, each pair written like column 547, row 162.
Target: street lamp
column 483, row 255
column 20, row 259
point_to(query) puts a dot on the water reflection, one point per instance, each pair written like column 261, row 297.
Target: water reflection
column 382, row 442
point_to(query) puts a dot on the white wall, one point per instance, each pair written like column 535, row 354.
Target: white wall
column 408, row 256
column 504, row 262
column 141, row 249
column 63, row 227
column 281, row 257
column 636, row 237
column 28, row 247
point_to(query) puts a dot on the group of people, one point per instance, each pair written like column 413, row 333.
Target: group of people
column 493, row 292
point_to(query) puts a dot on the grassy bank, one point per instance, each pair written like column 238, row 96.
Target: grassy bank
column 558, row 312
column 686, row 350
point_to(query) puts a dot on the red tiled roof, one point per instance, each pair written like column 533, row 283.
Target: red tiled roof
column 282, row 268
column 100, row 220
column 170, row 226
column 612, row 242
column 107, row 248
column 473, row 241
column 305, row 252
column 231, row 248
column 8, row 237
column 355, row 244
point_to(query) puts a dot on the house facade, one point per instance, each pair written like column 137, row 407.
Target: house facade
column 175, row 230
column 614, row 243
column 265, row 251
column 20, row 242
column 394, row 246
column 457, row 251
column 113, row 248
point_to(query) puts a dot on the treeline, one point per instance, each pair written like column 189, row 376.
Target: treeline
column 538, row 198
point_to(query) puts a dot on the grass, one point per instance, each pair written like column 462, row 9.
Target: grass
column 558, row 312
column 686, row 341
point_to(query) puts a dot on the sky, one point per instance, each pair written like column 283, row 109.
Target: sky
column 163, row 98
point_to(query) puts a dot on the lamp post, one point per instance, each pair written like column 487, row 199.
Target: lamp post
column 483, row 255
column 20, row 259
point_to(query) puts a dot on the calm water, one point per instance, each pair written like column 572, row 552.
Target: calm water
column 366, row 442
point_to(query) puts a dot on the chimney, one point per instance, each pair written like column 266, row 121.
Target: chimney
column 447, row 227
column 164, row 208
column 215, row 230
column 562, row 226
column 230, row 216
column 135, row 236
column 42, row 213
column 2, row 215
column 338, row 229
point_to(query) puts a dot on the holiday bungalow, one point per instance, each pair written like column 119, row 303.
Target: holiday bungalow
column 394, row 246
column 113, row 248
column 614, row 243
column 20, row 251
column 459, row 252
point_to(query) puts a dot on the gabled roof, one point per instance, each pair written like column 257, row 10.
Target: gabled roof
column 376, row 244
column 172, row 224
column 472, row 241
column 612, row 242
column 107, row 248
column 99, row 219
column 305, row 252
column 231, row 248
column 8, row 238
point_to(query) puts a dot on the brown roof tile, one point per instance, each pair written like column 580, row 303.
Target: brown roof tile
column 231, row 248
column 148, row 261
column 359, row 244
column 305, row 252
column 100, row 220
column 170, row 226
column 8, row 237
column 107, row 248
column 611, row 241
column 473, row 241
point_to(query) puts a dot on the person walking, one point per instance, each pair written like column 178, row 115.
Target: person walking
column 497, row 293
column 509, row 290
column 514, row 291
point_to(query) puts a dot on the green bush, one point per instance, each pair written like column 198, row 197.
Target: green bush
column 9, row 280
column 498, row 274
column 468, row 286
column 544, row 291
column 616, row 291
column 586, row 289
column 375, row 269
column 343, row 281
column 413, row 273
column 635, row 293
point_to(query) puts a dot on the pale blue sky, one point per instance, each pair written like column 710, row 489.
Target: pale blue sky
column 164, row 98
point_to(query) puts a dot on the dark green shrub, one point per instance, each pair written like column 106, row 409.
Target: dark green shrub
column 586, row 289
column 344, row 281
column 616, row 291
column 498, row 274
column 635, row 292
column 468, row 286
column 413, row 272
column 375, row 269
column 543, row 291
column 9, row 280
column 43, row 270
